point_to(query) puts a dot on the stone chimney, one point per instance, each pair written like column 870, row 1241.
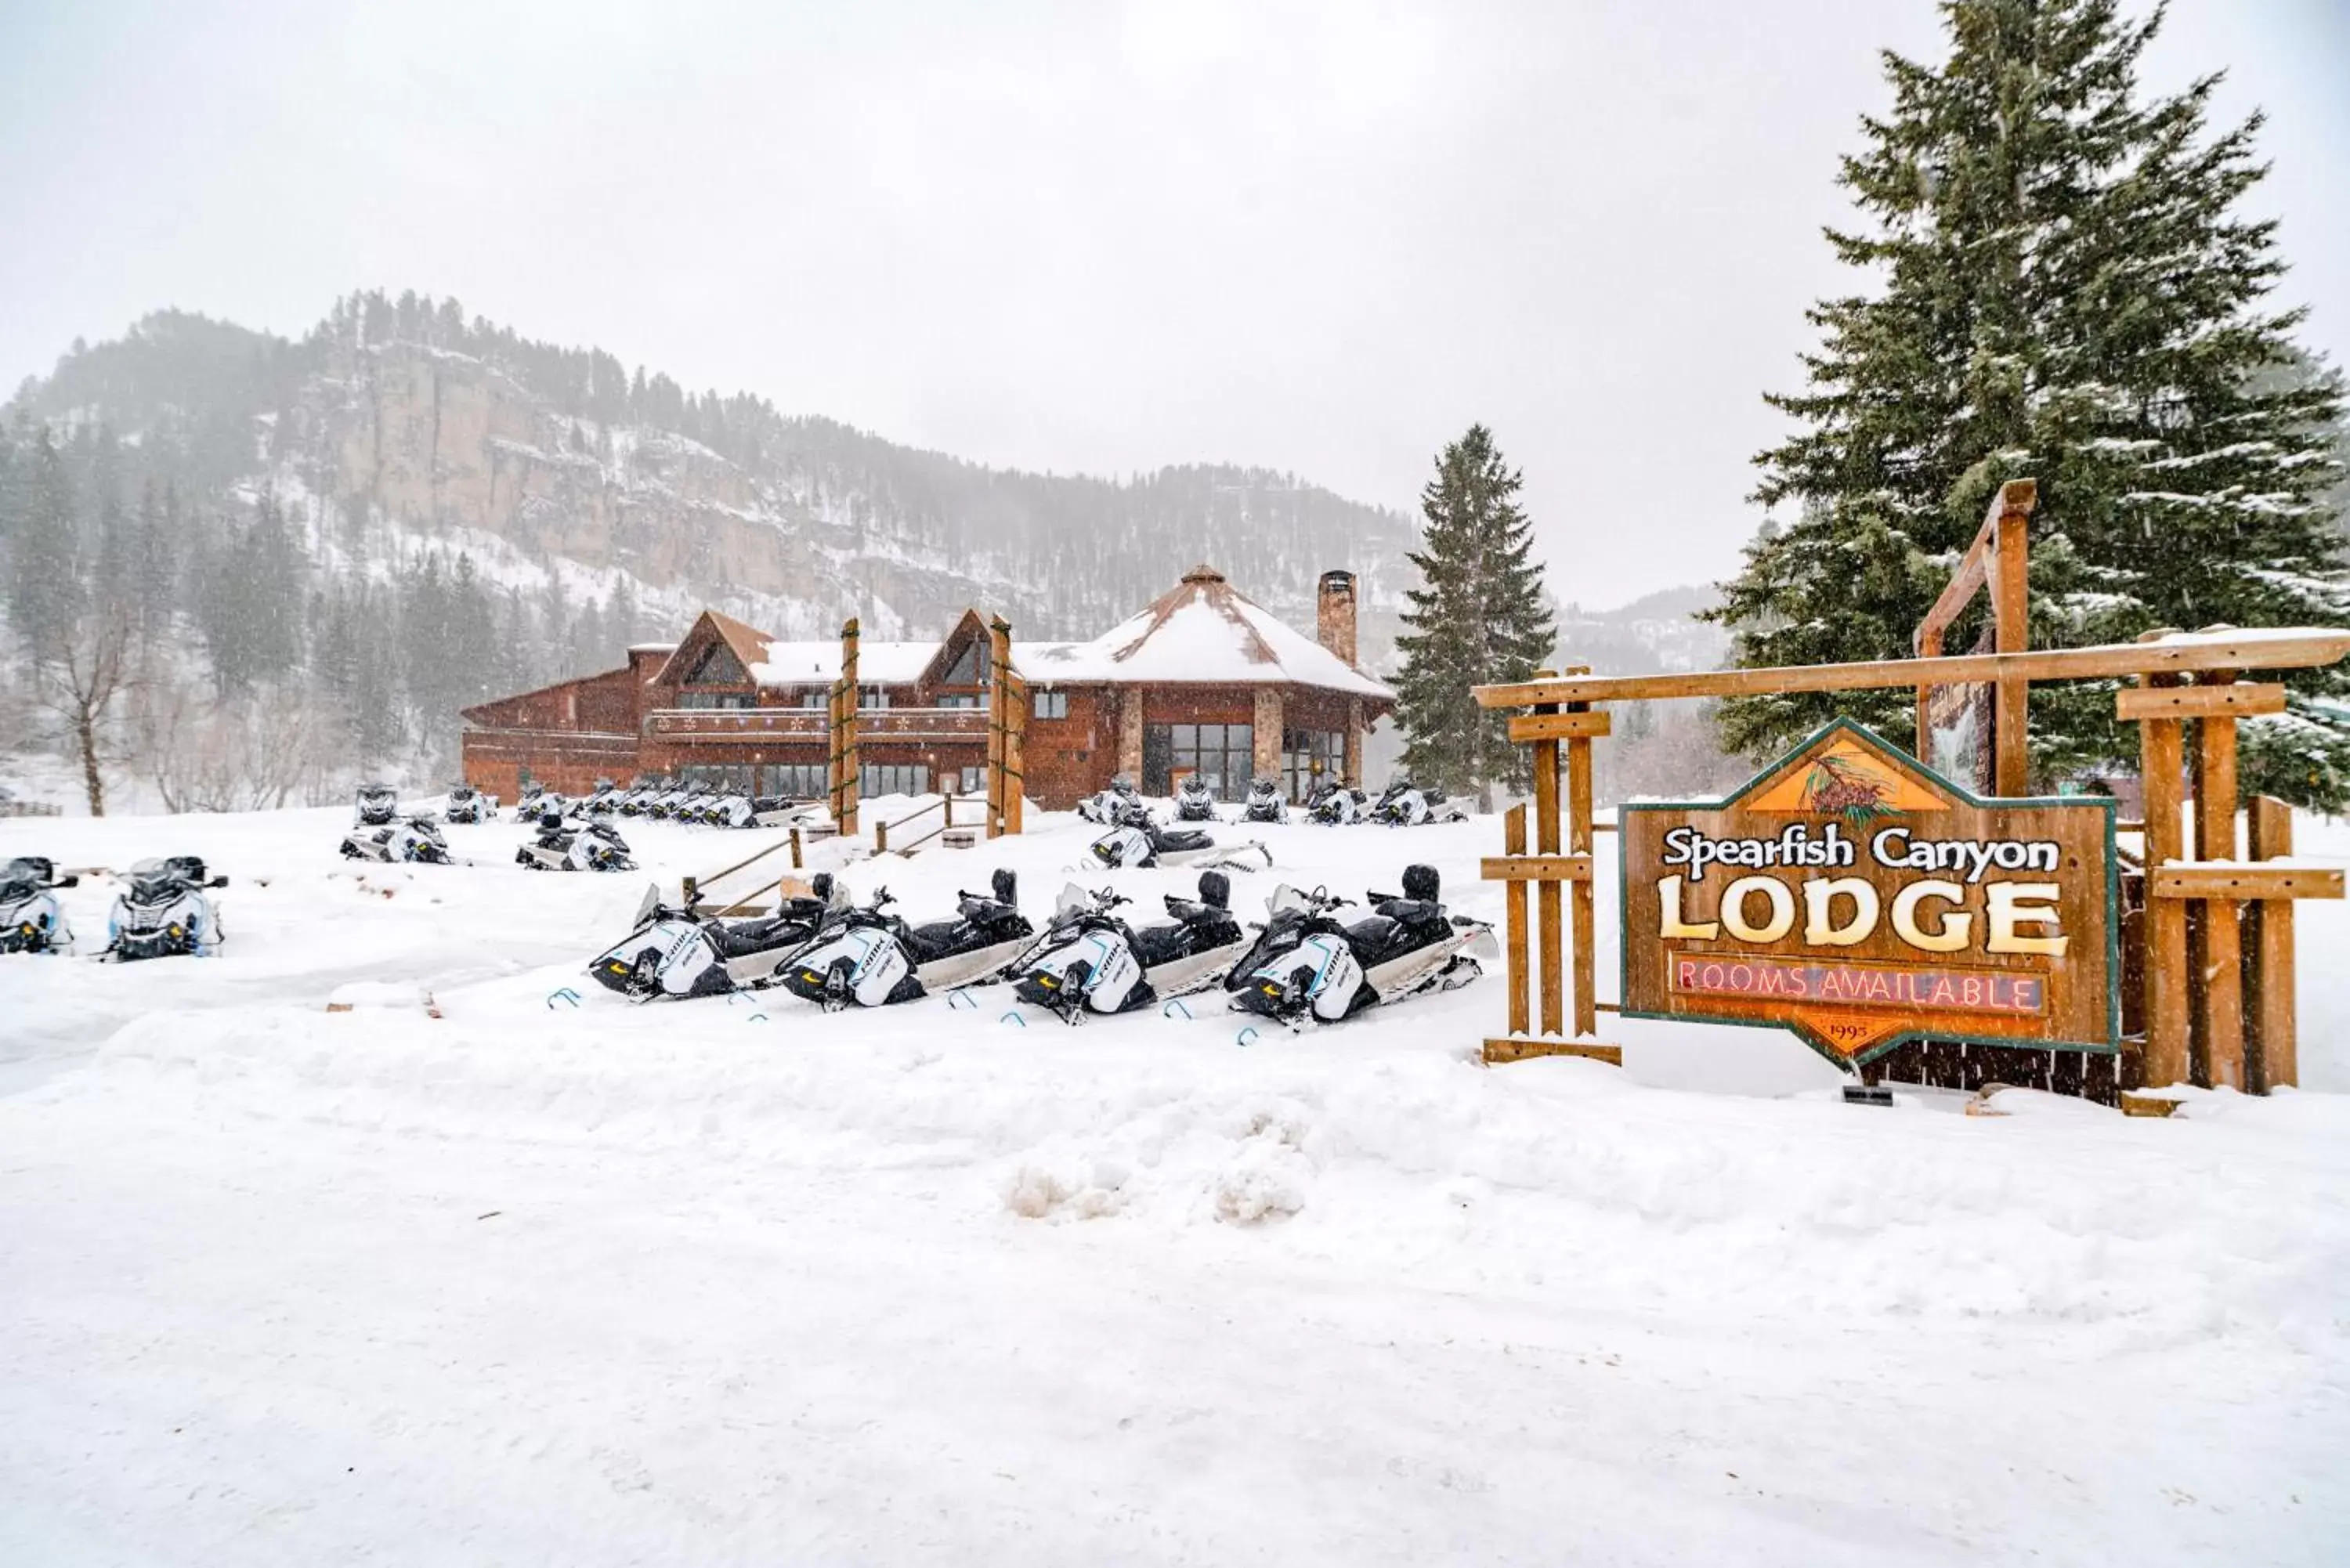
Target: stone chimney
column 1334, row 614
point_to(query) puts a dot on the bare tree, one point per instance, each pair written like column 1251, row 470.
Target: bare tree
column 255, row 752
column 78, row 677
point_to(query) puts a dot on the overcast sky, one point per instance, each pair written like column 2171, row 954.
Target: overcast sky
column 1083, row 237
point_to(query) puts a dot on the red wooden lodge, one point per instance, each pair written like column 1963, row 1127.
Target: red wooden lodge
column 1204, row 680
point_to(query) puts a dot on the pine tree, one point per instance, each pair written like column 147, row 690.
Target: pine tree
column 1480, row 617
column 2068, row 294
column 46, row 591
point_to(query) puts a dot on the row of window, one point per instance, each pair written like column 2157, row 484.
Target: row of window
column 806, row 780
column 1042, row 704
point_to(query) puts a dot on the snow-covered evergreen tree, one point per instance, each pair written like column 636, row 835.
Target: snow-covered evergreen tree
column 2068, row 292
column 1480, row 617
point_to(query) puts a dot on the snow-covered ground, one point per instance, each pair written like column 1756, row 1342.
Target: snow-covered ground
column 710, row 1283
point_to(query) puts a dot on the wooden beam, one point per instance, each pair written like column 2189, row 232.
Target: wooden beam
column 2161, row 766
column 2016, row 498
column 2242, row 879
column 2010, row 616
column 1535, row 868
column 2217, row 958
column 2241, row 698
column 1553, row 957
column 1520, row 1049
column 2275, row 648
column 2140, row 1105
column 1513, row 841
column 1526, row 727
column 2272, row 1047
column 1580, row 919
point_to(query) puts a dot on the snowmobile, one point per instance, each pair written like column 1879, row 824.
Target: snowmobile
column 1136, row 839
column 633, row 801
column 764, row 811
column 163, row 912
column 1093, row 961
column 663, row 807
column 1107, row 806
column 1265, row 801
column 377, row 805
column 1193, row 800
column 1406, row 805
column 675, row 952
column 1333, row 804
column 1307, row 965
column 31, row 918
column 873, row 957
column 469, row 804
column 528, row 808
column 575, row 847
column 597, row 801
column 418, row 841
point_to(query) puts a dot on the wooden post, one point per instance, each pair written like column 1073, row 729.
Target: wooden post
column 2165, row 1062
column 1514, row 905
column 1581, row 919
column 796, row 849
column 1928, row 645
column 998, row 718
column 2272, row 1050
column 1015, row 753
column 1546, row 899
column 851, row 764
column 2011, row 611
column 2220, row 964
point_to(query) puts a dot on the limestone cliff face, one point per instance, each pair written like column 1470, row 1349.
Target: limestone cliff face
column 427, row 444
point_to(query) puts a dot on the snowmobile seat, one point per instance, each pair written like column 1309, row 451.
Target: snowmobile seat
column 1190, row 911
column 1164, row 840
column 748, row 937
column 1155, row 945
column 935, row 939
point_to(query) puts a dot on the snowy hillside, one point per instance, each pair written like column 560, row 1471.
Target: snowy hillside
column 703, row 1283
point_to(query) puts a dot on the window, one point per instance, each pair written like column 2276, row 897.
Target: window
column 958, row 699
column 1307, row 756
column 814, row 696
column 873, row 697
column 893, row 778
column 1049, row 705
column 1222, row 754
column 965, row 671
column 973, row 782
column 693, row 699
column 719, row 667
column 803, row 781
column 723, row 777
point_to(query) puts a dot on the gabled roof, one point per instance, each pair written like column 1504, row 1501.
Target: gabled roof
column 747, row 643
column 1202, row 631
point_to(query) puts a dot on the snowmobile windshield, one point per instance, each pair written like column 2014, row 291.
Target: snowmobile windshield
column 1286, row 897
column 19, row 880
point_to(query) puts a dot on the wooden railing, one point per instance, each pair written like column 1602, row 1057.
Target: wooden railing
column 944, row 806
column 696, row 887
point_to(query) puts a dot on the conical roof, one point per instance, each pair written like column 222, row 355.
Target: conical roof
column 1201, row 631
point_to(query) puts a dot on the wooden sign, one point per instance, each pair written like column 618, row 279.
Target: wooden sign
column 1853, row 896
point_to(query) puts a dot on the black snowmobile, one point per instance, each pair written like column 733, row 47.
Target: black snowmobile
column 1193, row 800
column 575, row 847
column 676, row 951
column 872, row 958
column 1136, row 838
column 163, row 912
column 468, row 805
column 417, row 841
column 1335, row 804
column 31, row 918
column 1406, row 805
column 377, row 805
column 1110, row 804
column 1265, row 801
column 1307, row 965
column 1091, row 961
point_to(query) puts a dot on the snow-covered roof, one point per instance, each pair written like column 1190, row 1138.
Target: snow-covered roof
column 819, row 663
column 1203, row 631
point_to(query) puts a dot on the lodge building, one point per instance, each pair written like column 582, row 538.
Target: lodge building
column 1202, row 680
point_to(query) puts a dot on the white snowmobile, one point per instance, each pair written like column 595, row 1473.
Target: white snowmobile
column 598, row 801
column 1110, row 804
column 1265, row 801
column 675, row 952
column 1335, row 804
column 766, row 811
column 1406, row 805
column 1093, row 961
column 1138, row 839
column 375, row 805
column 873, row 958
column 163, row 912
column 1307, row 965
column 31, row 918
column 575, row 847
column 1193, row 800
column 417, row 841
column 468, row 805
